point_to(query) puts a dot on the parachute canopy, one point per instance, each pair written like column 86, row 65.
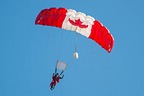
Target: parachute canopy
column 69, row 19
column 61, row 65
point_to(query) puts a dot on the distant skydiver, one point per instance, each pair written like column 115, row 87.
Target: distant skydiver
column 55, row 79
column 60, row 66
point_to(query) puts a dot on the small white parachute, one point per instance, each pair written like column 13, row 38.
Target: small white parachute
column 61, row 65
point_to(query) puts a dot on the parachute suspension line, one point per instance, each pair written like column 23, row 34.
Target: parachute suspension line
column 76, row 42
column 56, row 66
column 61, row 72
column 75, row 53
column 55, row 70
column 60, row 42
column 57, row 44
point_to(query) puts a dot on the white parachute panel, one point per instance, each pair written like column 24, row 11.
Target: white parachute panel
column 61, row 65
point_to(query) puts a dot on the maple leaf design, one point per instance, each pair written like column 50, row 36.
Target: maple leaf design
column 78, row 23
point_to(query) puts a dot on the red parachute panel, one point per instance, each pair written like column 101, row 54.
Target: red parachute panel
column 101, row 35
column 51, row 17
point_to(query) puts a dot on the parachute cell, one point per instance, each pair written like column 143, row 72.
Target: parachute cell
column 86, row 25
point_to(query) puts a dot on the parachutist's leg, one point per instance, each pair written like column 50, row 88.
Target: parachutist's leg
column 51, row 88
column 52, row 85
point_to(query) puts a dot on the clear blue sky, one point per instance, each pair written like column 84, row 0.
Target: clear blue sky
column 28, row 52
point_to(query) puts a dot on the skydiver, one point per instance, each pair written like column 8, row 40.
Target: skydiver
column 55, row 79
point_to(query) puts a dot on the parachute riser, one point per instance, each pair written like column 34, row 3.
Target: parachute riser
column 75, row 50
column 76, row 42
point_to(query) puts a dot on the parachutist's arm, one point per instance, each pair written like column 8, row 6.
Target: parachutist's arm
column 62, row 77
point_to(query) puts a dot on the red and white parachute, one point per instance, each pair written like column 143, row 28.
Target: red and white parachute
column 79, row 22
